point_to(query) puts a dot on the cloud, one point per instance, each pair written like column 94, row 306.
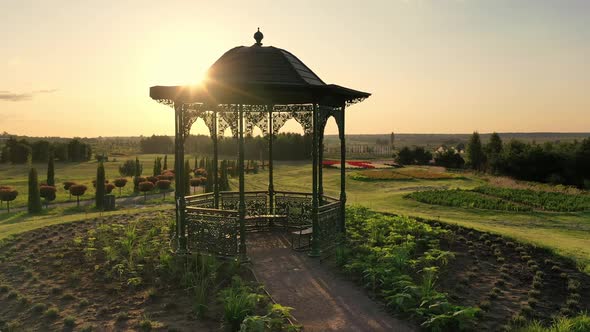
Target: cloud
column 13, row 96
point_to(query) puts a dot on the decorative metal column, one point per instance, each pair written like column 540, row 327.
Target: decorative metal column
column 320, row 165
column 178, row 178
column 215, row 163
column 271, row 189
column 342, row 172
column 315, row 241
column 242, row 203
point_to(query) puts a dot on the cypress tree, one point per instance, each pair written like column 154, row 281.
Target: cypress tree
column 50, row 171
column 165, row 162
column 100, row 191
column 187, row 178
column 209, row 183
column 157, row 166
column 34, row 203
column 196, row 162
column 475, row 154
column 138, row 170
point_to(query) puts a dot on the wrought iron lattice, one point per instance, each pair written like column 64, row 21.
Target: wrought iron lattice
column 213, row 231
column 256, row 119
column 206, row 200
column 209, row 119
column 296, row 206
column 328, row 219
column 229, row 119
column 256, row 202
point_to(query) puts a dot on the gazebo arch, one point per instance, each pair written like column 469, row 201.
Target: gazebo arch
column 264, row 87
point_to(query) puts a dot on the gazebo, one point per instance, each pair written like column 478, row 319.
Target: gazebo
column 257, row 86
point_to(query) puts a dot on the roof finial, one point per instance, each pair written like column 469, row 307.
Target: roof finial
column 258, row 37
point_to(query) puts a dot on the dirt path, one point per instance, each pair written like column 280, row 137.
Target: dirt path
column 321, row 300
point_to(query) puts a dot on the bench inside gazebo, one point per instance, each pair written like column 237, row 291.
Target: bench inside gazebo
column 257, row 86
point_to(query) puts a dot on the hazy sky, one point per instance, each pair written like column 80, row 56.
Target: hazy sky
column 84, row 68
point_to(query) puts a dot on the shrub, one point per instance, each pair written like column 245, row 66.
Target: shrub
column 51, row 313
column 136, row 181
column 238, row 302
column 78, row 190
column 195, row 182
column 152, row 179
column 163, row 186
column 120, row 183
column 108, row 188
column 34, row 201
column 145, row 187
column 69, row 321
column 8, row 195
column 128, row 168
column 48, row 193
column 67, row 185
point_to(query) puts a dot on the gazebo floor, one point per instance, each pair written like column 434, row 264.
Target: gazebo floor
column 321, row 300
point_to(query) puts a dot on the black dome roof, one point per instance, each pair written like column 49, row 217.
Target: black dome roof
column 261, row 65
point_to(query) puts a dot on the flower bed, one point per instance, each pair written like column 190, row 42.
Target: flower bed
column 357, row 164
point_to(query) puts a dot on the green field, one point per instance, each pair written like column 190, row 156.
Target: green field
column 564, row 232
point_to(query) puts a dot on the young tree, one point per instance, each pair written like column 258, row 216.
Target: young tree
column 48, row 194
column 475, row 154
column 405, row 156
column 34, row 201
column 494, row 146
column 157, row 166
column 165, row 166
column 120, row 183
column 50, row 171
column 164, row 187
column 127, row 168
column 8, row 195
column 144, row 187
column 392, row 139
column 100, row 191
column 196, row 163
column 78, row 190
column 67, row 185
column 138, row 171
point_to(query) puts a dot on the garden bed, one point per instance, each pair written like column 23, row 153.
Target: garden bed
column 450, row 278
column 401, row 174
column 118, row 273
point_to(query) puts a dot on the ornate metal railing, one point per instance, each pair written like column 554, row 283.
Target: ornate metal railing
column 213, row 231
column 328, row 224
column 216, row 231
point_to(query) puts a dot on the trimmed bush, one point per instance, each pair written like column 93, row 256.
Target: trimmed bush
column 120, row 183
column 108, row 188
column 48, row 193
column 8, row 195
column 152, row 179
column 163, row 186
column 145, row 187
column 195, row 182
column 78, row 190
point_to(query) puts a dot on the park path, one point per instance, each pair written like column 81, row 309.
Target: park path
column 322, row 301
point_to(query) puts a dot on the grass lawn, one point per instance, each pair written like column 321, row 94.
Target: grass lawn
column 565, row 233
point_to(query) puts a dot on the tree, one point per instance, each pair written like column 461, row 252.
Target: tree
column 34, row 201
column 157, row 166
column 405, row 156
column 449, row 158
column 120, row 183
column 78, row 190
column 144, row 187
column 48, row 194
column 165, row 166
column 127, row 168
column 392, row 139
column 40, row 150
column 196, row 163
column 100, row 190
column 67, row 186
column 494, row 146
column 163, row 186
column 51, row 171
column 421, row 156
column 8, row 195
column 156, row 144
column 475, row 154
column 138, row 171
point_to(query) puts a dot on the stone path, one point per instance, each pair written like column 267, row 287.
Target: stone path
column 321, row 300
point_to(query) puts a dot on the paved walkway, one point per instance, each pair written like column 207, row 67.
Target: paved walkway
column 321, row 300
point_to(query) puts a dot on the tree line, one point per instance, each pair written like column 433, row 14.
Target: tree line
column 21, row 151
column 566, row 163
column 286, row 146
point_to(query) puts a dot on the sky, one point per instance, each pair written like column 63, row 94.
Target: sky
column 84, row 68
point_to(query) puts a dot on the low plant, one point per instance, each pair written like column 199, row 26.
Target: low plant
column 238, row 302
